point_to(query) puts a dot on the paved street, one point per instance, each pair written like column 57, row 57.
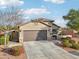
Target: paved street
column 46, row 50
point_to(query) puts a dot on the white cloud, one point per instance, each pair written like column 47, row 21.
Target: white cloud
column 27, row 17
column 60, row 21
column 36, row 11
column 56, row 1
column 4, row 3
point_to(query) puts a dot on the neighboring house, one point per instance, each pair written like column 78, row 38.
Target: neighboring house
column 66, row 32
column 39, row 29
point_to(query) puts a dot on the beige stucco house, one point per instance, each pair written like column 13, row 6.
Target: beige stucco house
column 39, row 29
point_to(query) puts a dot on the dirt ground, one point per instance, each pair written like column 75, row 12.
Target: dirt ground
column 72, row 51
column 67, row 49
column 4, row 55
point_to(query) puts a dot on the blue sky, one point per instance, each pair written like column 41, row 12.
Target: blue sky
column 51, row 9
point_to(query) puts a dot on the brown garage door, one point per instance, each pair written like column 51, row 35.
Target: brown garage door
column 32, row 35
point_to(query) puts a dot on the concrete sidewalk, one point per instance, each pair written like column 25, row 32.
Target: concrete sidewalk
column 46, row 50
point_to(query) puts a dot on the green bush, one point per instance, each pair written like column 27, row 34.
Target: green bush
column 66, row 43
column 71, row 41
column 75, row 46
column 15, row 51
column 2, row 39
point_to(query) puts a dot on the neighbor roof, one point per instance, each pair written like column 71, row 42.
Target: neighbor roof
column 43, row 19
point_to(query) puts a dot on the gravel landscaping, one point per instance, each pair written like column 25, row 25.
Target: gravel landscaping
column 4, row 55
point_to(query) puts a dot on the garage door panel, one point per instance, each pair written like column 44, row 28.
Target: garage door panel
column 32, row 35
column 42, row 35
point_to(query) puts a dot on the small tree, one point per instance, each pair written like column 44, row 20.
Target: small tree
column 73, row 18
column 10, row 18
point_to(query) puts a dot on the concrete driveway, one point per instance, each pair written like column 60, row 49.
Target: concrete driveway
column 46, row 50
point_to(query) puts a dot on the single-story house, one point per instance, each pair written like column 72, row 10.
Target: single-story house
column 67, row 32
column 38, row 29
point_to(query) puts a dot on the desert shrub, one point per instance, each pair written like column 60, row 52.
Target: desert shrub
column 71, row 41
column 67, row 38
column 16, row 51
column 66, row 42
column 2, row 39
column 75, row 45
